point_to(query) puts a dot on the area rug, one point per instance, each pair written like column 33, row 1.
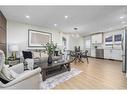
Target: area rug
column 56, row 80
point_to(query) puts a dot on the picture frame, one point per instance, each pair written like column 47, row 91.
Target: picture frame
column 38, row 38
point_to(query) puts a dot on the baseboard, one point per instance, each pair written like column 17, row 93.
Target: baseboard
column 91, row 57
column 105, row 58
column 113, row 59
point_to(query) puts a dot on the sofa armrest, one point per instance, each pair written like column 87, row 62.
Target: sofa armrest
column 19, row 68
column 26, row 75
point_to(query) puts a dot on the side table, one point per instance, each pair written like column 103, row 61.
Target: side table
column 13, row 62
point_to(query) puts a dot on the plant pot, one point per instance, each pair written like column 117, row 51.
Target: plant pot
column 49, row 59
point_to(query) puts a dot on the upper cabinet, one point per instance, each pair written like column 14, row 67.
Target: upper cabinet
column 97, row 38
column 114, row 39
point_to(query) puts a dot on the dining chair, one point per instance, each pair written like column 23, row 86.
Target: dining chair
column 85, row 55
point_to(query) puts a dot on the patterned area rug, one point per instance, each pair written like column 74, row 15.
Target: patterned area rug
column 56, row 80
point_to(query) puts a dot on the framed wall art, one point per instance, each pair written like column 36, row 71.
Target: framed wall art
column 38, row 38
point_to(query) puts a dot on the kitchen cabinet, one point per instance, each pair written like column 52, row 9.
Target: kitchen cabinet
column 107, row 53
column 93, row 52
column 115, row 54
column 96, row 39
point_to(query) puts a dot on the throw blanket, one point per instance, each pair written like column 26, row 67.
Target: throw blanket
column 30, row 63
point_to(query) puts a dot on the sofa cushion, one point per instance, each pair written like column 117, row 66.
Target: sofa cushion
column 44, row 54
column 36, row 54
column 27, row 54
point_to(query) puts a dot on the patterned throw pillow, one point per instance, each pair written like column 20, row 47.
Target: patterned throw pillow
column 36, row 54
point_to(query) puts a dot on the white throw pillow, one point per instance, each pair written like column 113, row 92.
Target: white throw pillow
column 44, row 54
column 36, row 54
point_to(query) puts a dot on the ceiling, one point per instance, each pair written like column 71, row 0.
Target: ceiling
column 88, row 19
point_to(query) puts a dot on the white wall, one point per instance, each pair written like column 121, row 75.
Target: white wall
column 87, row 44
column 17, row 33
column 80, row 42
column 75, row 41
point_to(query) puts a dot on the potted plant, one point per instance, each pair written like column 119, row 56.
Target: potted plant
column 50, row 48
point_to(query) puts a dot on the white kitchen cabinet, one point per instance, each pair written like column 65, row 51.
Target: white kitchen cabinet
column 93, row 52
column 107, row 53
column 115, row 54
column 97, row 38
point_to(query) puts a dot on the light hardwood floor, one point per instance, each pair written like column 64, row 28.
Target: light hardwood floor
column 98, row 74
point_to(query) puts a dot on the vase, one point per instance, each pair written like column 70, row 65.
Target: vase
column 49, row 59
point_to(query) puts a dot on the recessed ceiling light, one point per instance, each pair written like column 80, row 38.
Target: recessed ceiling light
column 121, row 17
column 27, row 16
column 55, row 25
column 65, row 17
column 123, row 22
column 75, row 28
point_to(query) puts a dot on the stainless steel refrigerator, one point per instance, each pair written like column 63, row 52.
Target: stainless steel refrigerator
column 124, row 51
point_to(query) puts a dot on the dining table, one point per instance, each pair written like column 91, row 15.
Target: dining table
column 78, row 56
